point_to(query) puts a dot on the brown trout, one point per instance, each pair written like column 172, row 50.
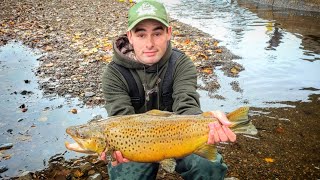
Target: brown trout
column 155, row 135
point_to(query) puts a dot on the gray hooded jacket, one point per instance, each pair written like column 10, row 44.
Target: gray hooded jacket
column 116, row 90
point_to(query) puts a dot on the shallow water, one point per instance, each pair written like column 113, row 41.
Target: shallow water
column 280, row 50
column 38, row 133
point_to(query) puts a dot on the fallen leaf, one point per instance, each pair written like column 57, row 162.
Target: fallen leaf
column 74, row 111
column 218, row 50
column 78, row 173
column 176, row 32
column 77, row 36
column 215, row 44
column 269, row 160
column 6, row 157
column 48, row 48
column 207, row 70
column 106, row 58
column 279, row 130
column 201, row 55
column 187, row 41
column 234, row 70
column 93, row 50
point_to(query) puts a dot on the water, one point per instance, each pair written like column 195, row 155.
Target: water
column 280, row 50
column 38, row 133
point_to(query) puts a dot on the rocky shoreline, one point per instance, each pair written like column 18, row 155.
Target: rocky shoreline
column 76, row 41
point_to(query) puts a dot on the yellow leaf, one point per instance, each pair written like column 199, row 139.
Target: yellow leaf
column 234, row 70
column 77, row 35
column 218, row 50
column 176, row 32
column 215, row 44
column 269, row 160
column 106, row 58
column 207, row 70
column 78, row 173
column 74, row 111
column 93, row 50
column 187, row 41
column 201, row 55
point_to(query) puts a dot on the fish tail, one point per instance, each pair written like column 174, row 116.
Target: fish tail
column 240, row 123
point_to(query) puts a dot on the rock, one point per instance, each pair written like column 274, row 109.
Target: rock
column 6, row 146
column 3, row 168
column 89, row 94
column 85, row 167
column 96, row 176
column 25, row 176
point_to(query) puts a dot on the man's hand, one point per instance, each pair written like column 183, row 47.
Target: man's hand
column 220, row 132
column 117, row 155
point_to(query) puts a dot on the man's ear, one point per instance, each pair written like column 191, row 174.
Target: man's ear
column 169, row 31
column 129, row 35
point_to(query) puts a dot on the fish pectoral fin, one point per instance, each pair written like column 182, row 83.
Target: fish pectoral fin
column 168, row 165
column 156, row 112
column 207, row 151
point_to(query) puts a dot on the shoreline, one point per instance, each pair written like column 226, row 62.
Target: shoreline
column 78, row 44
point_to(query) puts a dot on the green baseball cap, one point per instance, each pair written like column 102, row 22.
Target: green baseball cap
column 147, row 9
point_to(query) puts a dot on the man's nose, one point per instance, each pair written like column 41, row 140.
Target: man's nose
column 149, row 42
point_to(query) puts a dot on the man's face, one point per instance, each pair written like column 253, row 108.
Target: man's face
column 150, row 40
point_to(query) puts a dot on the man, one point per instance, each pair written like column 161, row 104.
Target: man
column 145, row 54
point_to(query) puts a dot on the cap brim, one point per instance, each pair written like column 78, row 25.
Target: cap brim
column 144, row 18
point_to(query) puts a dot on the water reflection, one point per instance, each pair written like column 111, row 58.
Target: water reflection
column 33, row 123
column 275, row 39
column 279, row 50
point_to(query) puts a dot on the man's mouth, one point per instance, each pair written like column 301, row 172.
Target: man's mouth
column 150, row 53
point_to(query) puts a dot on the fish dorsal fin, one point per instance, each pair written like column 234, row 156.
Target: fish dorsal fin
column 207, row 151
column 168, row 165
column 156, row 112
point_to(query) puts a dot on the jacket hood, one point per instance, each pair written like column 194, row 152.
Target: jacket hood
column 124, row 55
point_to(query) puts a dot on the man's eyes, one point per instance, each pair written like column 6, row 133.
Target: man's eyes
column 141, row 35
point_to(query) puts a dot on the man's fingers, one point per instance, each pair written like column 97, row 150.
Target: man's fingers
column 231, row 135
column 220, row 131
column 119, row 156
column 103, row 156
column 221, row 117
column 114, row 163
column 211, row 133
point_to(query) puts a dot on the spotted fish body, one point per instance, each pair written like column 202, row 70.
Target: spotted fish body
column 155, row 135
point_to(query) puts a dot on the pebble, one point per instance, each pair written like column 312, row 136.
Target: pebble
column 3, row 168
column 6, row 146
column 85, row 167
column 89, row 94
column 96, row 176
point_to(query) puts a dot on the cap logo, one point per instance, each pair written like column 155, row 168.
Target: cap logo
column 146, row 8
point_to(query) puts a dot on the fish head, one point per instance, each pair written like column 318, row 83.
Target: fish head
column 88, row 139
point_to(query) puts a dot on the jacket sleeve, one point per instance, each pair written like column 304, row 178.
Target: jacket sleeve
column 115, row 91
column 185, row 95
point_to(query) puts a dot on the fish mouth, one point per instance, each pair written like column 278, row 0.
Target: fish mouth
column 77, row 148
